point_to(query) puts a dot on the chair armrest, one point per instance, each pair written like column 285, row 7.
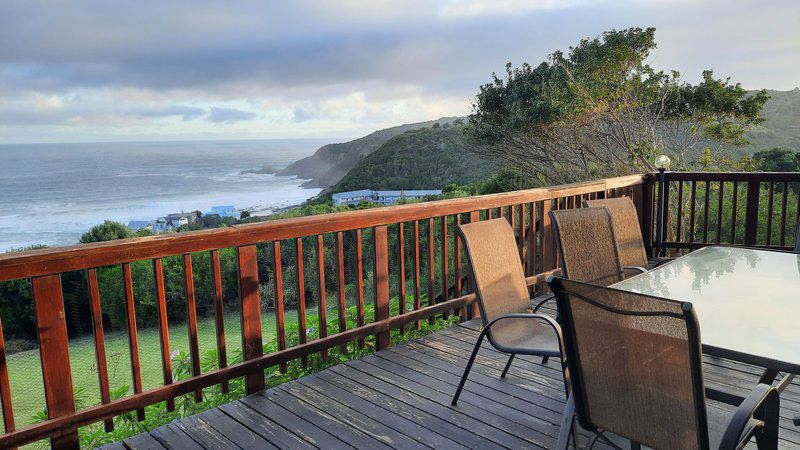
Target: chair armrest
column 763, row 396
column 539, row 305
column 549, row 320
column 543, row 317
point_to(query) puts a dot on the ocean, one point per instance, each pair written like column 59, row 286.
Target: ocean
column 53, row 193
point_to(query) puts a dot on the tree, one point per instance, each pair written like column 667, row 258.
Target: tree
column 778, row 160
column 600, row 110
column 244, row 214
column 106, row 231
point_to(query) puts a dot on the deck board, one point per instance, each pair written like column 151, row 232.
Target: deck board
column 400, row 398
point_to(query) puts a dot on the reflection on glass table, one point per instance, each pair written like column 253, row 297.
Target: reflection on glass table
column 747, row 301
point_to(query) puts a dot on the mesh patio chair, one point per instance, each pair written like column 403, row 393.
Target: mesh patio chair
column 505, row 304
column 625, row 220
column 635, row 366
column 587, row 245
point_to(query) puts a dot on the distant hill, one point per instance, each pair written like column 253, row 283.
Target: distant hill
column 332, row 162
column 425, row 158
column 782, row 125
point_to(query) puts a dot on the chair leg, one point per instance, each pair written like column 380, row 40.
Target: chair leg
column 567, row 430
column 545, row 359
column 508, row 366
column 636, row 446
column 767, row 438
column 469, row 367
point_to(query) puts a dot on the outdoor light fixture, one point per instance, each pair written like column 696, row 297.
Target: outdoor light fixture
column 663, row 162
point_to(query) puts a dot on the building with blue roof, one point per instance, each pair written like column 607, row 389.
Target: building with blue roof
column 382, row 197
column 224, row 211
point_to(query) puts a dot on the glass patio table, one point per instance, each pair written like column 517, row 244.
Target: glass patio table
column 747, row 302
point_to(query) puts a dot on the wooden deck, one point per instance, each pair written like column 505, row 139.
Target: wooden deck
column 400, row 398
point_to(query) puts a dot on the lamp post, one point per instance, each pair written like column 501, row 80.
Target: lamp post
column 662, row 164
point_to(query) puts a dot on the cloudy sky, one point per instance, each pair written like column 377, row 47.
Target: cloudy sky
column 150, row 69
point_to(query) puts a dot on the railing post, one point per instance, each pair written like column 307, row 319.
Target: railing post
column 751, row 212
column 251, row 313
column 48, row 301
column 645, row 206
column 474, row 310
column 381, row 244
column 549, row 256
column 660, row 227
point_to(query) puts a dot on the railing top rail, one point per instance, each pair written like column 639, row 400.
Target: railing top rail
column 76, row 257
column 733, row 176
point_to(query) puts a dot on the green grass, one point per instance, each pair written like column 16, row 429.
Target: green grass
column 25, row 370
column 29, row 402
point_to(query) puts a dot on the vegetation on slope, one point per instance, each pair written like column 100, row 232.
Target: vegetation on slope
column 332, row 162
column 427, row 158
column 781, row 126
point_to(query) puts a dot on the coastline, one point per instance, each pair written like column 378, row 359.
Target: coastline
column 57, row 192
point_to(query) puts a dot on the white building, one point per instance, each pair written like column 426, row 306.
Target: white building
column 173, row 221
column 382, row 197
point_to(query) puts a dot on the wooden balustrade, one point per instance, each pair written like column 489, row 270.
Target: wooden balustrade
column 753, row 209
column 431, row 253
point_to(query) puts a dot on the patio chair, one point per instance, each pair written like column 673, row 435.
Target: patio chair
column 503, row 297
column 625, row 220
column 635, row 366
column 587, row 245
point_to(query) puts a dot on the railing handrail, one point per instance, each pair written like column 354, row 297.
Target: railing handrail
column 791, row 177
column 55, row 260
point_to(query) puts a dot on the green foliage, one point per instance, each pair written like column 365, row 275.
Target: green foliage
column 601, row 110
column 209, row 221
column 505, row 180
column 427, row 158
column 333, row 161
column 107, row 231
column 711, row 226
column 778, row 160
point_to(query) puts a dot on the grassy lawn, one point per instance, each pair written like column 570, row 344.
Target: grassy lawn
column 26, row 373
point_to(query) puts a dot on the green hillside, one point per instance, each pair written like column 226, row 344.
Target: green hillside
column 427, row 158
column 332, row 162
column 781, row 127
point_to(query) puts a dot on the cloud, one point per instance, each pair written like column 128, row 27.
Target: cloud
column 229, row 115
column 71, row 69
column 185, row 112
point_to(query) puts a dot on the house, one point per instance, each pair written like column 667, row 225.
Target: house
column 161, row 224
column 173, row 221
column 136, row 225
column 382, row 197
column 182, row 218
column 224, row 211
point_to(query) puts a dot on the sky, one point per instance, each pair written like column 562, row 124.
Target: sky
column 84, row 70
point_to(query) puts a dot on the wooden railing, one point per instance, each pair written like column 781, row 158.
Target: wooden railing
column 526, row 211
column 740, row 208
